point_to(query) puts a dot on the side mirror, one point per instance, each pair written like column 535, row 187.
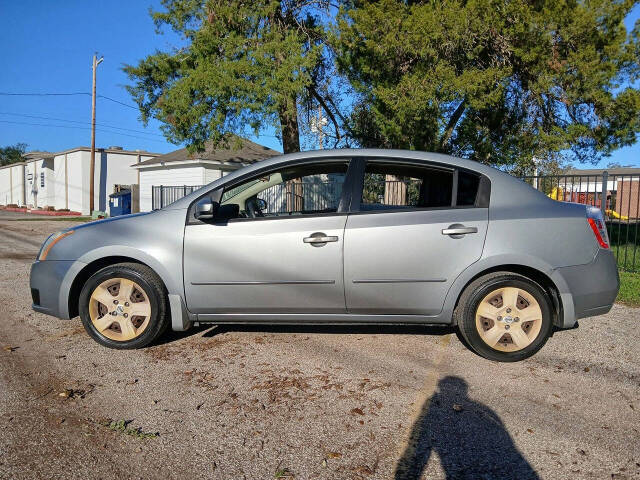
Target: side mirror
column 206, row 209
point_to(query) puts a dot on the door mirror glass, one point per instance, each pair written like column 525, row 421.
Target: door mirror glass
column 206, row 209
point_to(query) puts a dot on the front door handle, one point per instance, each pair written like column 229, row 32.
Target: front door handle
column 319, row 239
column 458, row 229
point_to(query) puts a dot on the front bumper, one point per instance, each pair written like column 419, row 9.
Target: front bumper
column 50, row 283
column 592, row 288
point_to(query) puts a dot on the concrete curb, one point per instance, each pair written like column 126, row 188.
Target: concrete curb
column 42, row 212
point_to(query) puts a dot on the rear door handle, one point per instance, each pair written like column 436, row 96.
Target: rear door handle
column 458, row 229
column 319, row 239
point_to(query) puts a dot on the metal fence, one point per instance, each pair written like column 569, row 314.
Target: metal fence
column 282, row 198
column 618, row 196
column 163, row 195
column 290, row 197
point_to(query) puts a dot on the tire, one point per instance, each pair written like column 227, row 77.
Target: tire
column 136, row 301
column 504, row 316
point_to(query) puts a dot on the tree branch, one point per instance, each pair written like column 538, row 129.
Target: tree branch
column 453, row 121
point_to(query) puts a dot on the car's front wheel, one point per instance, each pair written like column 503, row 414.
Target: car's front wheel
column 504, row 316
column 124, row 306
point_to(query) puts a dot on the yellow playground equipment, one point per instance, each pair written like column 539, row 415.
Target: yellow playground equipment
column 614, row 214
column 558, row 194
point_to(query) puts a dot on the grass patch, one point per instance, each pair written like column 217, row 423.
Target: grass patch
column 629, row 289
column 625, row 257
column 283, row 474
column 625, row 244
column 122, row 426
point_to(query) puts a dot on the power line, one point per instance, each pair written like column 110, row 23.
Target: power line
column 43, row 94
column 78, row 128
column 104, row 125
column 99, row 96
column 80, row 122
column 117, row 101
column 12, row 94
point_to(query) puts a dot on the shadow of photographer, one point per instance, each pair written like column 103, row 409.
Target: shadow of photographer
column 470, row 440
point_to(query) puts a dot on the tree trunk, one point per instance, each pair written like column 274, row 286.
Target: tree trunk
column 289, row 125
column 453, row 121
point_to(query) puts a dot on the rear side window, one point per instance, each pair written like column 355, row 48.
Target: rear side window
column 388, row 187
column 392, row 186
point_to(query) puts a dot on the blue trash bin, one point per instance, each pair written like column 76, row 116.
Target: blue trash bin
column 120, row 203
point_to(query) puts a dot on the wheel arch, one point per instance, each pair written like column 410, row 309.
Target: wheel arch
column 88, row 270
column 535, row 274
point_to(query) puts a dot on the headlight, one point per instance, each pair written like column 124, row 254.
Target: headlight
column 50, row 242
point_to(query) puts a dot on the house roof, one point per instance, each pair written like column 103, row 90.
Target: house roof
column 109, row 150
column 12, row 165
column 37, row 155
column 249, row 152
column 599, row 171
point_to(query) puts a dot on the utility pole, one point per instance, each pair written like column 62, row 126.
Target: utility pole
column 320, row 132
column 92, row 168
column 317, row 125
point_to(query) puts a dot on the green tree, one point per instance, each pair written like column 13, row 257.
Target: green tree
column 12, row 154
column 495, row 81
column 244, row 65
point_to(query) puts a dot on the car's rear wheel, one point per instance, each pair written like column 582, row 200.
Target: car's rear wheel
column 124, row 306
column 504, row 316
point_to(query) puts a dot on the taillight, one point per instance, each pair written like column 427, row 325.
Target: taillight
column 596, row 221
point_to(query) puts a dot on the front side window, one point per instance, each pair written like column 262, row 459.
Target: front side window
column 389, row 186
column 301, row 190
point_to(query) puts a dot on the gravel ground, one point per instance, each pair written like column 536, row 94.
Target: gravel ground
column 261, row 402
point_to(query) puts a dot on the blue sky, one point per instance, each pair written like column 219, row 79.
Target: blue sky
column 47, row 48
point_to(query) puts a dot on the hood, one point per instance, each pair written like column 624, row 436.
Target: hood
column 119, row 218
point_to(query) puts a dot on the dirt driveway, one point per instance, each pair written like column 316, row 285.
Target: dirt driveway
column 306, row 402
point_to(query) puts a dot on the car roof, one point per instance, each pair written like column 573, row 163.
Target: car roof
column 508, row 185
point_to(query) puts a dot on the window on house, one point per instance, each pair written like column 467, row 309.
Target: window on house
column 42, row 179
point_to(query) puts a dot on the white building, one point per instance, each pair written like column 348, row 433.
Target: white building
column 72, row 174
column 61, row 180
column 38, row 179
column 12, row 191
column 179, row 170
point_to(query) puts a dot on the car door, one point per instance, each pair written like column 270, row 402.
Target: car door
column 416, row 228
column 280, row 248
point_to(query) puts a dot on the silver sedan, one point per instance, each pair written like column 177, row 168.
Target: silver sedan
column 340, row 237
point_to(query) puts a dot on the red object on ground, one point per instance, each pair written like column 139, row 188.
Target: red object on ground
column 42, row 212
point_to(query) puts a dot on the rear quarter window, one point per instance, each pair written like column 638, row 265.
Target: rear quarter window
column 468, row 184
